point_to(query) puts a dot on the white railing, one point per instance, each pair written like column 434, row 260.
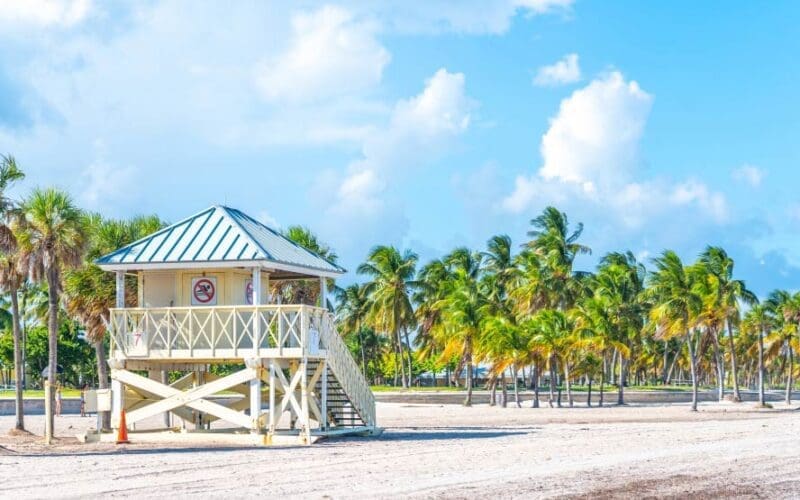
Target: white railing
column 216, row 332
column 346, row 371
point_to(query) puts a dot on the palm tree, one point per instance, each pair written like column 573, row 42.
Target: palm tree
column 353, row 311
column 619, row 283
column 90, row 292
column 676, row 305
column 787, row 307
column 463, row 309
column 52, row 238
column 759, row 319
column 558, row 248
column 550, row 335
column 303, row 291
column 392, row 275
column 10, row 276
column 729, row 292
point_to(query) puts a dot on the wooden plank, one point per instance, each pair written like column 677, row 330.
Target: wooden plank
column 174, row 398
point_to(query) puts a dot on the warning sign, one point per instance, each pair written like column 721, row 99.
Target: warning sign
column 248, row 292
column 204, row 291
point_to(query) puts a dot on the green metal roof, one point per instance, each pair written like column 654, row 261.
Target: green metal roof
column 218, row 234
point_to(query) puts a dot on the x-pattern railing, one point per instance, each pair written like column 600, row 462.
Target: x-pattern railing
column 141, row 331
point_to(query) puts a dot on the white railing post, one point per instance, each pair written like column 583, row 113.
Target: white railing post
column 324, row 396
column 256, row 299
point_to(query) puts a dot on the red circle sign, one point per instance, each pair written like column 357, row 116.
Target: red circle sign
column 204, row 291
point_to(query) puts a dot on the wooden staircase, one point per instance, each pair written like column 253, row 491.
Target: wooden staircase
column 342, row 414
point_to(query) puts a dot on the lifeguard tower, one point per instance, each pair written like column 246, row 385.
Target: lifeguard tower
column 204, row 303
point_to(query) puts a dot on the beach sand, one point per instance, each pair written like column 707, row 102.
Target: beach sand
column 444, row 451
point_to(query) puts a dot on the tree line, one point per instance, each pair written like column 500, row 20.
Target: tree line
column 519, row 311
column 524, row 312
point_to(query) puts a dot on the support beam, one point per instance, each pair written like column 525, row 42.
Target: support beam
column 120, row 302
column 255, row 394
column 193, row 398
column 323, row 424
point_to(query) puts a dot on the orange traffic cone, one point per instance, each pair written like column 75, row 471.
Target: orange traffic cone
column 122, row 433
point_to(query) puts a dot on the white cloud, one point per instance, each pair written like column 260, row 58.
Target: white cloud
column 459, row 16
column 749, row 174
column 330, row 53
column 419, row 129
column 544, row 6
column 590, row 154
column 104, row 185
column 695, row 192
column 596, row 133
column 561, row 72
column 44, row 13
column 268, row 220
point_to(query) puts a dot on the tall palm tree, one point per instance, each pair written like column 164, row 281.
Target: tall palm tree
column 52, row 238
column 759, row 319
column 90, row 292
column 730, row 293
column 464, row 309
column 550, row 335
column 11, row 278
column 787, row 307
column 352, row 312
column 676, row 305
column 619, row 283
column 392, row 282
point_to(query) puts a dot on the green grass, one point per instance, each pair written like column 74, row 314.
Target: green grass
column 544, row 388
column 388, row 388
column 39, row 394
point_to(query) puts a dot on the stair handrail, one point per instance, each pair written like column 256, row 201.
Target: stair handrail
column 346, row 370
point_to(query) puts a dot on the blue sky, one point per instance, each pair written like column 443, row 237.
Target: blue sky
column 427, row 125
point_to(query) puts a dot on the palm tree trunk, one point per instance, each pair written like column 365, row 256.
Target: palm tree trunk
column 468, row 399
column 399, row 359
column 516, row 386
column 52, row 345
column 552, row 378
column 408, row 354
column 789, row 380
column 569, row 384
column 102, row 378
column 602, row 382
column 734, row 374
column 504, row 391
column 720, row 367
column 589, row 395
column 19, row 410
column 666, row 362
column 493, row 391
column 363, row 355
column 692, row 363
column 621, row 389
column 535, row 381
column 675, row 360
column 761, row 399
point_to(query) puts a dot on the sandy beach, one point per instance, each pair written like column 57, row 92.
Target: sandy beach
column 445, row 451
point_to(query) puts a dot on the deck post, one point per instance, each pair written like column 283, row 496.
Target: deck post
column 117, row 389
column 323, row 425
column 255, row 394
column 273, row 407
column 305, row 429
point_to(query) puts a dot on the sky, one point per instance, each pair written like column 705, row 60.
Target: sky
column 426, row 125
